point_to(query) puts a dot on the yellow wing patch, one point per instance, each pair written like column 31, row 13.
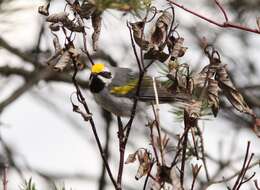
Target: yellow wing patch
column 122, row 90
column 98, row 68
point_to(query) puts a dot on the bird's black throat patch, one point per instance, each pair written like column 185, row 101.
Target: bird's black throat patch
column 96, row 84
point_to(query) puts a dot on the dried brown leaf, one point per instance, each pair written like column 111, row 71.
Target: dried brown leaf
column 63, row 62
column 159, row 34
column 178, row 49
column 138, row 28
column 44, row 9
column 58, row 17
column 144, row 162
column 232, row 94
column 194, row 109
column 131, row 158
column 213, row 96
column 63, row 18
column 143, row 170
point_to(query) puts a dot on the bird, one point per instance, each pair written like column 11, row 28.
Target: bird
column 114, row 89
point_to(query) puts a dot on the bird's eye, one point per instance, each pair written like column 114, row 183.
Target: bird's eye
column 106, row 74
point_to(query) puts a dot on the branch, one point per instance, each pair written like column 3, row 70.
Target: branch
column 36, row 77
column 225, row 24
column 15, row 51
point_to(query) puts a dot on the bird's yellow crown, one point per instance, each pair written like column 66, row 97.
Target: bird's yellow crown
column 98, row 68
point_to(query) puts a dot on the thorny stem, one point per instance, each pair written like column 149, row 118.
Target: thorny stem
column 83, row 102
column 225, row 24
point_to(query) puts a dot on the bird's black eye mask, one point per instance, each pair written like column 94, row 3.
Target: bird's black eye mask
column 105, row 74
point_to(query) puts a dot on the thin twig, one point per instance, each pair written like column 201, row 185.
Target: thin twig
column 222, row 25
column 184, row 146
column 222, row 9
column 108, row 118
column 203, row 154
column 83, row 102
column 121, row 152
column 195, row 177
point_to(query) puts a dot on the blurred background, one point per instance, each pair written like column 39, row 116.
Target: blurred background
column 40, row 135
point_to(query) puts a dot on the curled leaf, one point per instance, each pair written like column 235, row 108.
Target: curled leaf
column 62, row 62
column 144, row 162
column 63, row 18
column 213, row 96
column 178, row 50
column 58, row 17
column 193, row 109
column 44, row 9
column 131, row 158
column 159, row 34
column 232, row 94
column 138, row 28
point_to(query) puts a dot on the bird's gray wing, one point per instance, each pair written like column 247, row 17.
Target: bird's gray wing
column 125, row 81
